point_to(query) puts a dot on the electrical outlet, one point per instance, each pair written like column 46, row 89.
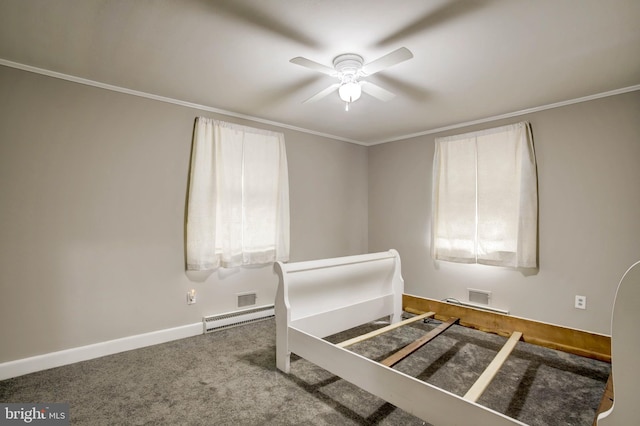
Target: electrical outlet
column 581, row 302
column 191, row 297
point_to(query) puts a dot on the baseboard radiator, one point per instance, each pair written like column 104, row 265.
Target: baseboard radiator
column 232, row 319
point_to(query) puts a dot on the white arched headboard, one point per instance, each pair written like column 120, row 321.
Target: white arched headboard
column 625, row 348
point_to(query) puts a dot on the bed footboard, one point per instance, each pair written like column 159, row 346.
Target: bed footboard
column 324, row 297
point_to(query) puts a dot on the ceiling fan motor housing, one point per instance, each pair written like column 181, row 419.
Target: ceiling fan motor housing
column 348, row 65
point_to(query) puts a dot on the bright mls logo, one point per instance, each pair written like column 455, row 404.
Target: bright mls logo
column 34, row 414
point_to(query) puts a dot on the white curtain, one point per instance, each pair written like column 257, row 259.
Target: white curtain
column 238, row 203
column 485, row 198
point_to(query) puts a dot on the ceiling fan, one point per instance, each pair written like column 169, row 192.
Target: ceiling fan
column 351, row 72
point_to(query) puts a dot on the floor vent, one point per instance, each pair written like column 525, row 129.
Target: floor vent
column 232, row 319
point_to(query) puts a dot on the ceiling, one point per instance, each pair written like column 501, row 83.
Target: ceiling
column 473, row 60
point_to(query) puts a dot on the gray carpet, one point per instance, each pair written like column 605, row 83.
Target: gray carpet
column 229, row 378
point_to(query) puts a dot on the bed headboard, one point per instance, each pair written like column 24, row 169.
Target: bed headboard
column 323, row 297
column 625, row 346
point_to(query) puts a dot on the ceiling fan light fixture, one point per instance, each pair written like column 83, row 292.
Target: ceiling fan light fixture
column 350, row 92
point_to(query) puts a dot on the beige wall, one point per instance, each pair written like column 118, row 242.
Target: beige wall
column 589, row 214
column 92, row 203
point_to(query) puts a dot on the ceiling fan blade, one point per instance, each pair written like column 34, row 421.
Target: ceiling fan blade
column 399, row 55
column 321, row 94
column 308, row 63
column 376, row 91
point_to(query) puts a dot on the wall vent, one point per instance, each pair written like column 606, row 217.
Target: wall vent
column 480, row 297
column 246, row 299
column 232, row 319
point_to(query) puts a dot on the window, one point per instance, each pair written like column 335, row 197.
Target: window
column 238, row 203
column 485, row 198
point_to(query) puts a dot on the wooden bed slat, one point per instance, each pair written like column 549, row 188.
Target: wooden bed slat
column 607, row 399
column 492, row 369
column 417, row 344
column 382, row 330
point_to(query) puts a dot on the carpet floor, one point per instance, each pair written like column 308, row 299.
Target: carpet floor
column 229, row 378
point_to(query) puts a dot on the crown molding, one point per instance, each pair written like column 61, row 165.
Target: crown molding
column 513, row 114
column 111, row 87
column 179, row 102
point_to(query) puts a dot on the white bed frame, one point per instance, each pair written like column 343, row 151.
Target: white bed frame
column 316, row 299
column 625, row 347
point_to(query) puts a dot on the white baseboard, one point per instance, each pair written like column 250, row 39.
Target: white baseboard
column 69, row 356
